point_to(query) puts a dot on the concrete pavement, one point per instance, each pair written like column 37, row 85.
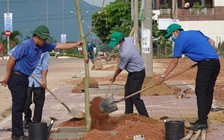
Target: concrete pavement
column 157, row 106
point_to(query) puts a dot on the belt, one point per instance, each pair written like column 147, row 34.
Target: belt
column 20, row 73
column 209, row 59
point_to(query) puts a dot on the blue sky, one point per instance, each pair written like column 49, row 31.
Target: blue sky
column 99, row 2
column 28, row 14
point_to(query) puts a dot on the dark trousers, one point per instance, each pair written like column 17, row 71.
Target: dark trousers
column 208, row 71
column 17, row 85
column 38, row 94
column 133, row 84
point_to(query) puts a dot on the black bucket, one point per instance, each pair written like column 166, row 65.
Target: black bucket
column 174, row 130
column 37, row 131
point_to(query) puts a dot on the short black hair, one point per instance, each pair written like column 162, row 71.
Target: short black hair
column 121, row 40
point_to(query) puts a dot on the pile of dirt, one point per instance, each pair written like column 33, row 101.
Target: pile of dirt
column 114, row 57
column 111, row 57
column 121, row 78
column 157, row 90
column 94, row 82
column 218, row 94
column 127, row 130
column 107, row 58
column 110, row 68
column 120, row 127
column 216, row 117
column 79, row 88
column 98, row 64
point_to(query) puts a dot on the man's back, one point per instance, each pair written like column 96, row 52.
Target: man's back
column 130, row 58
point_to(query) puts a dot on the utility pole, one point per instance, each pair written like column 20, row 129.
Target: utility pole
column 132, row 10
column 147, row 48
column 174, row 9
column 136, row 23
column 8, row 37
column 63, row 22
column 174, row 14
column 47, row 13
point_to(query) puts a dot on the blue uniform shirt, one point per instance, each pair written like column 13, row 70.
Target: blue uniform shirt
column 42, row 65
column 130, row 59
column 195, row 45
column 90, row 50
column 27, row 55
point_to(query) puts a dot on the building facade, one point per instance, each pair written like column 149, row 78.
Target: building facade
column 209, row 17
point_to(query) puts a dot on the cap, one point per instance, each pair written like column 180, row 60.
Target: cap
column 171, row 28
column 115, row 37
column 42, row 31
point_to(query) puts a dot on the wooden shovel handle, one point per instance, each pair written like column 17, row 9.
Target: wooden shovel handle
column 132, row 31
column 51, row 93
column 108, row 90
column 169, row 77
column 46, row 87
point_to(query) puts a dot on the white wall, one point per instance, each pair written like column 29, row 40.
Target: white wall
column 212, row 29
column 218, row 2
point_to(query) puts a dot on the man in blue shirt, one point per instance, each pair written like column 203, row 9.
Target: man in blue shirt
column 130, row 60
column 21, row 64
column 90, row 52
column 198, row 48
column 36, row 91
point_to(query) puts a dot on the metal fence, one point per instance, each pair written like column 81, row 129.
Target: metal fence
column 162, row 52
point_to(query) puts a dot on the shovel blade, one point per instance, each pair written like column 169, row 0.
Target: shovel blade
column 76, row 113
column 108, row 105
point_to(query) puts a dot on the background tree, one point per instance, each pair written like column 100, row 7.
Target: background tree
column 117, row 17
column 15, row 37
column 112, row 18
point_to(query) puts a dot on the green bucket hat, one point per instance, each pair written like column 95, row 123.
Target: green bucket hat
column 42, row 31
column 171, row 28
column 115, row 37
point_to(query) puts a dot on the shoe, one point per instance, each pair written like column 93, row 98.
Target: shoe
column 24, row 137
column 193, row 123
column 198, row 126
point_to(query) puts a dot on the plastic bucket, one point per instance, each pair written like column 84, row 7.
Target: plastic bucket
column 174, row 130
column 37, row 131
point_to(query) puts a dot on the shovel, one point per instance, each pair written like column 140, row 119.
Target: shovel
column 108, row 90
column 108, row 105
column 73, row 112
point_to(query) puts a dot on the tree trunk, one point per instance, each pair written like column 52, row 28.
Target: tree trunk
column 86, row 64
